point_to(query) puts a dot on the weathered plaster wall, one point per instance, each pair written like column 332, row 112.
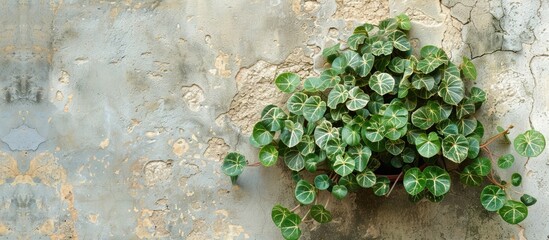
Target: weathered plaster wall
column 116, row 114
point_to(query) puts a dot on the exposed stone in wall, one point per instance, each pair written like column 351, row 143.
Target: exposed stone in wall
column 193, row 96
column 256, row 89
column 362, row 10
column 217, row 149
column 157, row 171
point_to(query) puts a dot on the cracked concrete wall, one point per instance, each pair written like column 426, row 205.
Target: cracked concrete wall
column 117, row 114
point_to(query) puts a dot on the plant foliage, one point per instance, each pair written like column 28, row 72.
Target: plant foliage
column 379, row 107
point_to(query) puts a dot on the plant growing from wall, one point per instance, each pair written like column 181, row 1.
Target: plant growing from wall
column 378, row 110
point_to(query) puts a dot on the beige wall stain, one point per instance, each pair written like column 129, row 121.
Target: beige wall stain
column 180, row 147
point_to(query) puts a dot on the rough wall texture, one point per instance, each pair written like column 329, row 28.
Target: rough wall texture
column 116, row 114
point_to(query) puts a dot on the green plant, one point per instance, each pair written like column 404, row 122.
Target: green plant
column 380, row 108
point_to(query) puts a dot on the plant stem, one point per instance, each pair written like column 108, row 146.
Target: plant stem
column 295, row 208
column 255, row 164
column 493, row 138
column 394, row 184
column 326, row 205
column 304, row 216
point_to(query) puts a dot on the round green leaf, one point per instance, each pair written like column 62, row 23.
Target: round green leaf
column 351, row 134
column 314, row 84
column 465, row 108
column 365, row 65
column 357, row 99
column 329, row 78
column 423, row 118
column 382, row 83
column 361, row 155
column 287, row 82
column 296, row 103
column 408, row 155
column 428, row 64
column 335, row 147
column 467, row 126
column 422, row 81
column 398, row 65
column 373, row 130
column 506, row 161
column 529, row 144
column 305, row 193
column 481, row 166
column 381, row 187
column 344, row 165
column 455, row 148
column 447, row 127
column 395, row 147
column 325, row 132
column 320, row 214
column 314, row 109
column 477, row 95
column 331, row 51
column 468, row 69
column 261, row 134
column 400, row 41
column 382, row 48
column 274, row 118
column 268, row 155
column 438, row 180
column 339, row 64
column 451, row 88
column 469, row 177
column 513, row 212
column 427, row 145
column 353, row 59
column 403, row 22
column 366, row 179
column 279, row 214
column 292, row 133
column 414, row 181
column 355, row 40
column 294, row 161
column 474, row 147
column 322, row 182
column 307, row 145
column 492, row 198
column 396, row 115
column 233, row 164
column 528, row 200
column 337, row 95
column 516, row 179
column 339, row 191
column 428, row 50
column 375, row 103
column 290, row 227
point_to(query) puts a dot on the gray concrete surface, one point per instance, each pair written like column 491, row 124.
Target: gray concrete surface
column 134, row 103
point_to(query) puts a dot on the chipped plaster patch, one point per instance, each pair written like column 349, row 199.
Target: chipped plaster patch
column 152, row 224
column 180, row 147
column 217, row 148
column 104, row 144
column 64, row 78
column 256, row 89
column 221, row 65
column 507, row 95
column 157, row 171
column 193, row 97
column 371, row 11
